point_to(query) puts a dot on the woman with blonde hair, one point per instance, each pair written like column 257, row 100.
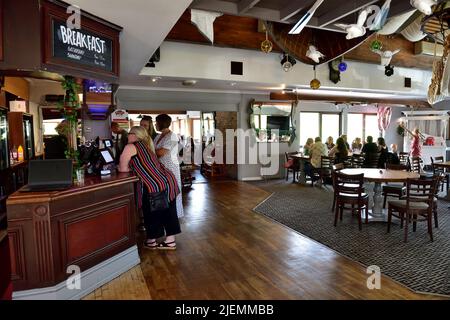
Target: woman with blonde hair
column 157, row 191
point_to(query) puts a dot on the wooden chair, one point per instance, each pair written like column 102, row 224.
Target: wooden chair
column 416, row 164
column 357, row 161
column 404, row 158
column 394, row 190
column 437, row 171
column 290, row 165
column 417, row 206
column 371, row 160
column 350, row 191
column 326, row 168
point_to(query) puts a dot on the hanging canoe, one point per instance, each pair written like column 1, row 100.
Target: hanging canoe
column 331, row 44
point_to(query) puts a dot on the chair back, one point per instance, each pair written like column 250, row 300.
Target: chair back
column 372, row 160
column 415, row 164
column 420, row 190
column 338, row 167
column 357, row 161
column 348, row 162
column 398, row 167
column 436, row 169
column 348, row 184
column 404, row 158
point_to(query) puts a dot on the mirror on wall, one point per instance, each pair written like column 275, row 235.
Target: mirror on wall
column 268, row 118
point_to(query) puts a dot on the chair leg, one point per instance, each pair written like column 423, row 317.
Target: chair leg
column 334, row 202
column 384, row 201
column 287, row 174
column 435, row 212
column 401, row 220
column 359, row 218
column 342, row 212
column 389, row 220
column 405, row 239
column 430, row 226
column 336, row 214
column 367, row 211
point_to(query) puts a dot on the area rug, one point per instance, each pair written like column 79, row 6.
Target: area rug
column 419, row 264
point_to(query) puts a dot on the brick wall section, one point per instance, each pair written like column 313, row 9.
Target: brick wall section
column 228, row 120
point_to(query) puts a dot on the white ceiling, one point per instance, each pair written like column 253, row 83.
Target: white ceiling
column 145, row 25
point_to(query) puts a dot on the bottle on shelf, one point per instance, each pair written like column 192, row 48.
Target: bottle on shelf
column 14, row 154
column 20, row 154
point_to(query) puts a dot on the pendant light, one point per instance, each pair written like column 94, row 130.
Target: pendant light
column 266, row 45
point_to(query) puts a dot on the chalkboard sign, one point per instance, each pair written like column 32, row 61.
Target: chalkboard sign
column 82, row 46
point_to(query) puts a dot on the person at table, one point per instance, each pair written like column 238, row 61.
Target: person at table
column 55, row 147
column 339, row 152
column 357, row 145
column 370, row 146
column 307, row 146
column 317, row 150
column 330, row 143
column 139, row 157
column 394, row 148
column 384, row 153
column 120, row 141
column 147, row 123
column 344, row 137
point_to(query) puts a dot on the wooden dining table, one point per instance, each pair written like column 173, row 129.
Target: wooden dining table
column 379, row 176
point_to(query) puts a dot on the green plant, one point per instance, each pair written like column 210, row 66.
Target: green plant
column 400, row 131
column 69, row 108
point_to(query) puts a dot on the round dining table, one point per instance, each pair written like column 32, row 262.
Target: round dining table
column 379, row 176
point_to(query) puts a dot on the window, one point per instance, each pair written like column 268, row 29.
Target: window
column 197, row 130
column 361, row 125
column 50, row 126
column 315, row 124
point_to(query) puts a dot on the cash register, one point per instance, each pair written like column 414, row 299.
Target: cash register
column 98, row 157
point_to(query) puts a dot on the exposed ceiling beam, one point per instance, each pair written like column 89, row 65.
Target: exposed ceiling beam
column 245, row 5
column 292, row 9
column 398, row 8
column 343, row 10
column 401, row 101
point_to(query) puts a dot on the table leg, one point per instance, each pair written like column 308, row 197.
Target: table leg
column 377, row 213
column 302, row 176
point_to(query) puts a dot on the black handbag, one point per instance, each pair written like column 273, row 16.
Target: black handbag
column 158, row 201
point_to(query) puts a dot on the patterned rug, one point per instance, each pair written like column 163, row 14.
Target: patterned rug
column 419, row 264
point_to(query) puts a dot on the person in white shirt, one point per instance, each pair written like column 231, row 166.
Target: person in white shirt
column 318, row 150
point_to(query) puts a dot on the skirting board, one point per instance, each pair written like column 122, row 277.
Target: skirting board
column 252, row 179
column 91, row 279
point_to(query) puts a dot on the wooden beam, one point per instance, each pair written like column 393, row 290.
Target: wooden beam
column 245, row 5
column 292, row 9
column 331, row 98
column 344, row 9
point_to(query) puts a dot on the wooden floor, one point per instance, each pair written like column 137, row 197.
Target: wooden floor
column 227, row 251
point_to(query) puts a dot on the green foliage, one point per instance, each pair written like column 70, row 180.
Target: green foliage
column 69, row 108
column 400, row 131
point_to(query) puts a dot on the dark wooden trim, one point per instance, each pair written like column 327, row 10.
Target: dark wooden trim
column 52, row 12
column 1, row 30
column 84, row 225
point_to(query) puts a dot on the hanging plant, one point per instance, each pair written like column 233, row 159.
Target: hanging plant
column 69, row 108
column 401, row 131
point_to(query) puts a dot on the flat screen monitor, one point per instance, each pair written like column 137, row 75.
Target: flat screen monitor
column 107, row 156
column 278, row 122
column 108, row 143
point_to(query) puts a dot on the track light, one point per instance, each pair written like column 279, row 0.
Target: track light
column 389, row 70
column 287, row 62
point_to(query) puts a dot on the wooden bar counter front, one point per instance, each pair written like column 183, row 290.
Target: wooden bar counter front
column 91, row 226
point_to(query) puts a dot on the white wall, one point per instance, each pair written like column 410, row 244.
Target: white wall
column 182, row 60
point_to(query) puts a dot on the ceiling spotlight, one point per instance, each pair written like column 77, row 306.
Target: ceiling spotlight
column 154, row 79
column 189, row 82
column 389, row 70
column 287, row 62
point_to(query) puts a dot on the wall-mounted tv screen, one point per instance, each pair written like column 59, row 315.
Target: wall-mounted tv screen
column 278, row 122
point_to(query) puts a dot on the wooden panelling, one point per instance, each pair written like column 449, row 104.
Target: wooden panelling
column 17, row 86
column 99, row 98
column 242, row 33
column 17, row 253
column 1, row 30
column 84, row 225
column 86, row 236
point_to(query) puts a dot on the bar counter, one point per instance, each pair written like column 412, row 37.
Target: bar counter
column 91, row 226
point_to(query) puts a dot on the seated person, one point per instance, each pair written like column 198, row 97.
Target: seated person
column 330, row 143
column 307, row 146
column 55, row 147
column 316, row 152
column 357, row 145
column 394, row 148
column 339, row 152
column 382, row 149
column 370, row 146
